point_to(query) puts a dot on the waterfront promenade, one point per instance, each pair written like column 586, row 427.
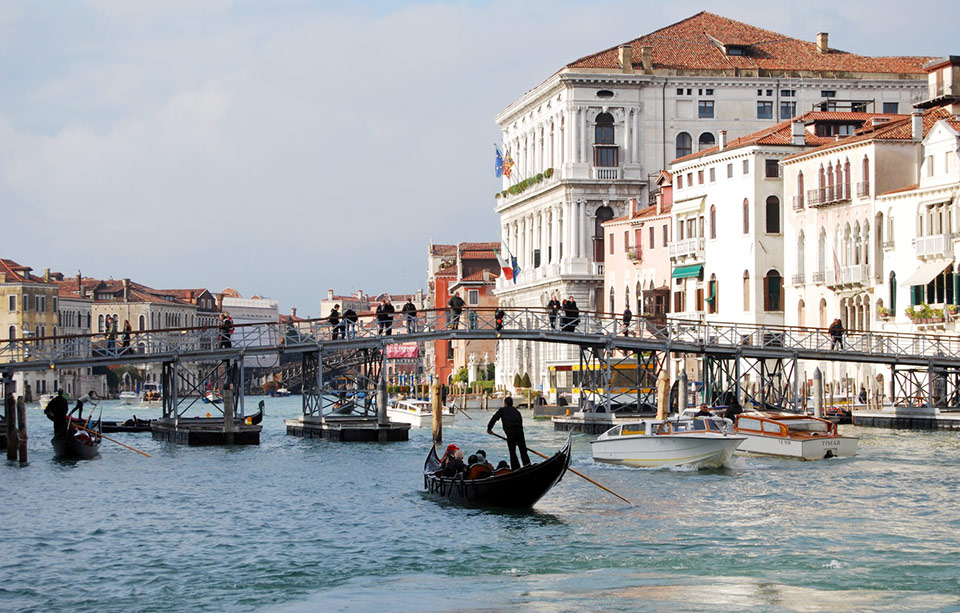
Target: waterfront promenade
column 306, row 525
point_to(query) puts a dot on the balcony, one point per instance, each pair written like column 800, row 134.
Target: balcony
column 936, row 246
column 597, row 268
column 863, row 189
column 798, row 279
column 691, row 247
column 817, row 277
column 798, row 203
column 857, row 274
column 606, row 173
column 831, row 194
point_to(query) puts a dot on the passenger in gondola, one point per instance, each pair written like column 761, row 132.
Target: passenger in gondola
column 448, row 454
column 56, row 411
column 478, row 468
column 454, row 465
column 482, row 459
column 513, row 428
column 88, row 397
column 502, row 468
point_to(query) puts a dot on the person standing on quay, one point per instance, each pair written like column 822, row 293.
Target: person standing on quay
column 554, row 307
column 334, row 319
column 410, row 312
column 513, row 428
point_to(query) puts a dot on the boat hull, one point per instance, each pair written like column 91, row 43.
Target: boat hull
column 417, row 420
column 519, row 489
column 705, row 450
column 803, row 449
column 67, row 447
column 126, row 398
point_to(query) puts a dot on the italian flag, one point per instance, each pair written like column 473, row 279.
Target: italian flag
column 505, row 264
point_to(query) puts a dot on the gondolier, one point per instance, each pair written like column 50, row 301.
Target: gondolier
column 88, row 397
column 56, row 411
column 513, row 428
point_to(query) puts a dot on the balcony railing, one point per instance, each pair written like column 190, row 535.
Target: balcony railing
column 817, row 277
column 798, row 279
column 857, row 274
column 828, row 195
column 606, row 173
column 597, row 268
column 863, row 189
column 935, row 246
column 798, row 203
column 691, row 247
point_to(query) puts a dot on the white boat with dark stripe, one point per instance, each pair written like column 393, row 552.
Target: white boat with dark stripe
column 703, row 442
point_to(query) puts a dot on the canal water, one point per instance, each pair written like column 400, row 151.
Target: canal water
column 307, row 525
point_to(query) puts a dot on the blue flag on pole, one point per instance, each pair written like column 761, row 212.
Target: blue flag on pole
column 498, row 165
column 516, row 268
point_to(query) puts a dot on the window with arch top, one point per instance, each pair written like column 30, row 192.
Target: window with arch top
column 773, row 215
column 603, row 133
column 746, row 216
column 707, row 140
column 713, row 221
column 684, row 144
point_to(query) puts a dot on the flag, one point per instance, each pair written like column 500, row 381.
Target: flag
column 504, row 265
column 507, row 165
column 516, row 268
column 836, row 267
column 498, row 165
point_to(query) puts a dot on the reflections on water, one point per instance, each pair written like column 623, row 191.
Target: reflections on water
column 306, row 524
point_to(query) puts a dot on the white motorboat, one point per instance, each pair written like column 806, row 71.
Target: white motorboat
column 704, row 442
column 417, row 413
column 150, row 394
column 129, row 397
column 45, row 399
column 792, row 435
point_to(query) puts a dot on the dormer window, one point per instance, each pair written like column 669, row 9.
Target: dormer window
column 736, row 50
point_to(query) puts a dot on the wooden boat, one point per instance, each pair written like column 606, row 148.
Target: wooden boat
column 212, row 398
column 792, row 435
column 150, row 394
column 417, row 413
column 134, row 424
column 705, row 442
column 257, row 417
column 77, row 444
column 518, row 489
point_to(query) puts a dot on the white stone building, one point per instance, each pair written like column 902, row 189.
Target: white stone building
column 590, row 137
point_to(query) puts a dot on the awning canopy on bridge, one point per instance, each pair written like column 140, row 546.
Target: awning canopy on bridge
column 691, row 270
column 927, row 271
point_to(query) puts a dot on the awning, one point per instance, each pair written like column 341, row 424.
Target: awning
column 927, row 271
column 690, row 205
column 691, row 270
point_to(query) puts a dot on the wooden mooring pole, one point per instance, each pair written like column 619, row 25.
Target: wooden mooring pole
column 228, row 425
column 437, row 416
column 22, row 429
column 10, row 412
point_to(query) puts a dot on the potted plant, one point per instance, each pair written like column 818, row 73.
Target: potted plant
column 911, row 313
column 884, row 312
column 952, row 309
column 936, row 315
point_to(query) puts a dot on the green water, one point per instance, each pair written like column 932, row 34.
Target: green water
column 307, row 525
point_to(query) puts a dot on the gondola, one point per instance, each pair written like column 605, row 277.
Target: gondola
column 77, row 444
column 518, row 489
column 257, row 417
column 134, row 424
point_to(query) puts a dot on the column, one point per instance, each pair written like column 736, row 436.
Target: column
column 627, row 134
column 582, row 141
column 555, row 231
column 585, row 232
column 575, row 229
column 636, row 136
column 569, row 136
column 569, row 212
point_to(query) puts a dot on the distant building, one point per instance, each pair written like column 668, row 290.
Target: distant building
column 28, row 310
column 255, row 310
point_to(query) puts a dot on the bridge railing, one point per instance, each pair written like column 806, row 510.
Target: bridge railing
column 269, row 336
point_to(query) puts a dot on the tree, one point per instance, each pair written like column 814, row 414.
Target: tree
column 462, row 375
column 525, row 381
column 516, row 380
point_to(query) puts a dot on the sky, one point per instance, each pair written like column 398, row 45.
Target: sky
column 286, row 147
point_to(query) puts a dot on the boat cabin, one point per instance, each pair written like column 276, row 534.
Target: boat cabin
column 659, row 428
column 784, row 425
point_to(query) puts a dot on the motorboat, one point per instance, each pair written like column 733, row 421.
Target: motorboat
column 129, row 397
column 45, row 399
column 150, row 394
column 417, row 413
column 792, row 435
column 703, row 442
column 281, row 392
column 212, row 397
column 514, row 489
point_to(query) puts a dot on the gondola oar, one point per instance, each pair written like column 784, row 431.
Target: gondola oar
column 581, row 475
column 144, row 453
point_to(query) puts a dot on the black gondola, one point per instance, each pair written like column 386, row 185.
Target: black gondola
column 257, row 417
column 134, row 424
column 77, row 444
column 518, row 489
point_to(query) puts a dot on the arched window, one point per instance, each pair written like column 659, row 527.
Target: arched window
column 893, row 293
column 746, row 216
column 847, row 245
column 713, row 221
column 746, row 290
column 866, row 243
column 707, row 140
column 838, row 183
column 773, row 215
column 100, row 323
column 613, row 302
column 863, row 190
column 823, row 312
column 604, row 130
column 822, row 253
column 857, row 244
column 801, row 314
column 684, row 144
column 141, row 323
column 12, row 333
column 772, row 291
column 801, row 243
column 603, row 215
column 846, row 180
column 605, row 155
column 800, row 190
column 626, row 298
column 712, row 298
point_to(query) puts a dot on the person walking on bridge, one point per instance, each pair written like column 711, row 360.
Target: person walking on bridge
column 334, row 319
column 513, row 428
column 350, row 323
column 456, row 304
column 553, row 308
column 384, row 314
column 111, row 335
column 836, row 334
column 226, row 330
column 410, row 313
column 627, row 317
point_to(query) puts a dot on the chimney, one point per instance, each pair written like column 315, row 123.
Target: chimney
column 625, row 54
column 822, row 45
column 219, row 302
column 723, row 140
column 293, row 311
column 46, row 275
column 126, row 290
column 646, row 59
column 486, row 275
column 797, row 133
column 633, row 207
column 916, row 126
column 329, row 294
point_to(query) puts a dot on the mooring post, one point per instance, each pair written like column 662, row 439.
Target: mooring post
column 22, row 429
column 437, row 417
column 682, row 390
column 228, row 425
column 817, row 393
column 382, row 402
column 10, row 411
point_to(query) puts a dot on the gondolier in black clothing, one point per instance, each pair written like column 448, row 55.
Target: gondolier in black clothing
column 88, row 397
column 513, row 428
column 56, row 411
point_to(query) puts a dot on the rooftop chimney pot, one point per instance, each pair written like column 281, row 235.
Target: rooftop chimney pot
column 822, row 42
column 916, row 126
column 723, row 140
column 796, row 133
column 625, row 54
column 646, row 58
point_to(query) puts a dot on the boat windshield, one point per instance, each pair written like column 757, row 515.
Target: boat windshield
column 632, row 429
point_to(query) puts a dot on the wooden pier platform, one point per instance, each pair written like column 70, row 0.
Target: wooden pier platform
column 908, row 418
column 594, row 423
column 348, row 429
column 196, row 431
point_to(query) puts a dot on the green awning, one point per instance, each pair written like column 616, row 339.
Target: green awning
column 691, row 270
